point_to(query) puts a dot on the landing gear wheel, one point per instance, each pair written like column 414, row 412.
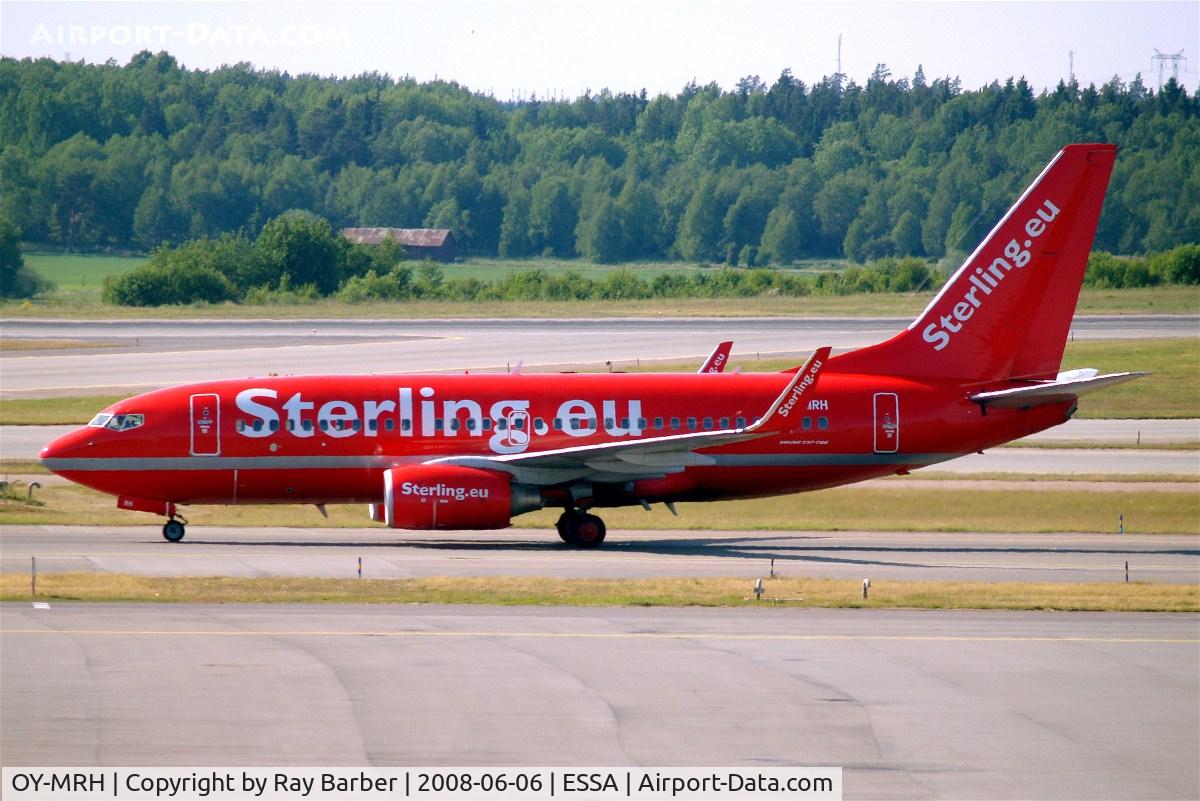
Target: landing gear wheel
column 589, row 531
column 173, row 531
column 581, row 529
column 566, row 526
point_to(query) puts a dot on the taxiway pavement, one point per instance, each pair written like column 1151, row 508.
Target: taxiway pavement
column 152, row 353
column 334, row 553
column 911, row 704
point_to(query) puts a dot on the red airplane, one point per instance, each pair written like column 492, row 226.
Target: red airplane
column 979, row 367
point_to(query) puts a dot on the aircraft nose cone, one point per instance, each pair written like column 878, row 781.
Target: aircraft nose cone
column 67, row 446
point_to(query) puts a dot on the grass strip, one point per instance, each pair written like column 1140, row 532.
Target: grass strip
column 79, row 297
column 12, row 344
column 22, row 467
column 75, row 410
column 1100, row 445
column 880, row 507
column 1085, row 478
column 548, row 591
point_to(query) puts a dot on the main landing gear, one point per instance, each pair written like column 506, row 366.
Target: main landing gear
column 581, row 529
column 173, row 530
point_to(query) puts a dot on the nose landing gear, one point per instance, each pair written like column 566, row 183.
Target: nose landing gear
column 581, row 529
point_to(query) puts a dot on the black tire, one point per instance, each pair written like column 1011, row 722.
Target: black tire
column 173, row 531
column 566, row 525
column 589, row 531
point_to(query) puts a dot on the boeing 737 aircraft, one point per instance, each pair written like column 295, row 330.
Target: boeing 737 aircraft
column 979, row 367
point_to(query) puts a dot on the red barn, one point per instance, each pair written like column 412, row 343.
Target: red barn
column 419, row 243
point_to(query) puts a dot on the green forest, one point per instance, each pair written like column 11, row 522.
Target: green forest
column 130, row 157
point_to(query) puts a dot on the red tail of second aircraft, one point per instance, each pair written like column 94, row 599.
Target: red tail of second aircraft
column 1006, row 313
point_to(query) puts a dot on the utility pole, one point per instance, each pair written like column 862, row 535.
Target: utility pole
column 1163, row 58
column 1070, row 66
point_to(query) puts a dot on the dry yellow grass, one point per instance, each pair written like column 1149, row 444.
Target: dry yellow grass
column 539, row 591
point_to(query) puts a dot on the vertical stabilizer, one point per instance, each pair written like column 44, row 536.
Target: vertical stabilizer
column 1007, row 310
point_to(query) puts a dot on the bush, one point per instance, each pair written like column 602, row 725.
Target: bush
column 283, row 295
column 167, row 285
column 1180, row 265
column 16, row 279
column 397, row 284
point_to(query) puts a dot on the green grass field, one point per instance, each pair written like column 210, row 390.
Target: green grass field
column 547, row 591
column 1172, row 389
column 80, row 273
column 79, row 278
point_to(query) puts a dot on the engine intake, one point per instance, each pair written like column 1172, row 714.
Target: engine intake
column 427, row 497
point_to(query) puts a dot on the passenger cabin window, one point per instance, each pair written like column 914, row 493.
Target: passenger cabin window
column 822, row 423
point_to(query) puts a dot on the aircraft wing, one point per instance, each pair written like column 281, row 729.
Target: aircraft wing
column 1068, row 386
column 716, row 361
column 652, row 457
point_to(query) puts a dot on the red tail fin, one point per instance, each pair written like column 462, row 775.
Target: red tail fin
column 1007, row 311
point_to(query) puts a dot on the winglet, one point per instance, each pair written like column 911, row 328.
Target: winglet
column 716, row 361
column 802, row 384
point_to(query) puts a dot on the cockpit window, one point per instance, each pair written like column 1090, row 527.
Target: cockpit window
column 117, row 422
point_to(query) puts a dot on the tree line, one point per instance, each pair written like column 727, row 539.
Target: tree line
column 298, row 258
column 133, row 156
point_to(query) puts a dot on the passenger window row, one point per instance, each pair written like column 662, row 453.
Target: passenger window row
column 518, row 424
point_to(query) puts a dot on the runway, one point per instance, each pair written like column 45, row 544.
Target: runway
column 911, row 704
column 334, row 553
column 137, row 355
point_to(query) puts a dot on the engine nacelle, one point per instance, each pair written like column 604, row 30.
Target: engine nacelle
column 444, row 496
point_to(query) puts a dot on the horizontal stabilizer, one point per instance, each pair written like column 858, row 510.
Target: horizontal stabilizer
column 1061, row 389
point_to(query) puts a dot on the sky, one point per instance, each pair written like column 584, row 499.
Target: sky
column 519, row 48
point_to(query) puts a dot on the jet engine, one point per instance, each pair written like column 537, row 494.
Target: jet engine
column 444, row 496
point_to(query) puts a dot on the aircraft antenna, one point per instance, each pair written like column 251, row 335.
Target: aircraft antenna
column 1163, row 58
